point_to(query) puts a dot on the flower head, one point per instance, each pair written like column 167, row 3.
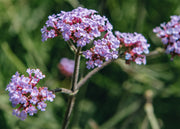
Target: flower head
column 135, row 45
column 66, row 66
column 103, row 50
column 25, row 95
column 170, row 35
column 80, row 25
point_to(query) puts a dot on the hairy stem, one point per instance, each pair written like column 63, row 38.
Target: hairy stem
column 73, row 88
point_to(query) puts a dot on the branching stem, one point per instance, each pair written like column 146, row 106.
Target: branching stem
column 76, row 86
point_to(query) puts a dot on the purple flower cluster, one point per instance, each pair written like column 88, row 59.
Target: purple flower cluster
column 80, row 25
column 26, row 96
column 170, row 35
column 66, row 66
column 104, row 49
column 134, row 45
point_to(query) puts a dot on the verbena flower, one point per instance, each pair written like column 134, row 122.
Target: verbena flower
column 25, row 95
column 134, row 45
column 80, row 25
column 66, row 66
column 170, row 35
column 103, row 50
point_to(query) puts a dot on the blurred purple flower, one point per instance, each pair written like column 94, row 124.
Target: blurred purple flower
column 26, row 96
column 170, row 35
column 66, row 66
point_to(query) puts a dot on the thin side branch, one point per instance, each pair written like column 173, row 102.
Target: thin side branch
column 72, row 47
column 156, row 52
column 90, row 74
column 65, row 91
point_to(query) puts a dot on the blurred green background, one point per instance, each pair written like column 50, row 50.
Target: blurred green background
column 118, row 97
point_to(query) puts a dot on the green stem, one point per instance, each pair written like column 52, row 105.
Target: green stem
column 150, row 110
column 68, row 112
column 151, row 117
column 76, row 70
column 73, row 88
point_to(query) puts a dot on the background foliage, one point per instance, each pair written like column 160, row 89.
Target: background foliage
column 115, row 98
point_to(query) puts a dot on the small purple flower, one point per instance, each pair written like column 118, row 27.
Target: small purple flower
column 44, row 92
column 15, row 98
column 50, row 96
column 51, row 33
column 20, row 114
column 127, row 56
column 170, row 35
column 44, row 32
column 50, row 22
column 81, row 42
column 41, row 106
column 23, row 115
column 90, row 64
column 34, row 100
column 134, row 45
column 16, row 112
column 23, row 100
column 87, row 54
column 32, row 110
column 34, row 92
column 98, row 62
column 24, row 93
column 140, row 60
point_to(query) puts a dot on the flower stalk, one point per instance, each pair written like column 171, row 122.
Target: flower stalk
column 72, row 98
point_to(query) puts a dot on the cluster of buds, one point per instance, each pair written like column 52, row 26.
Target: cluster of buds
column 134, row 46
column 80, row 25
column 66, row 67
column 25, row 95
column 170, row 35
